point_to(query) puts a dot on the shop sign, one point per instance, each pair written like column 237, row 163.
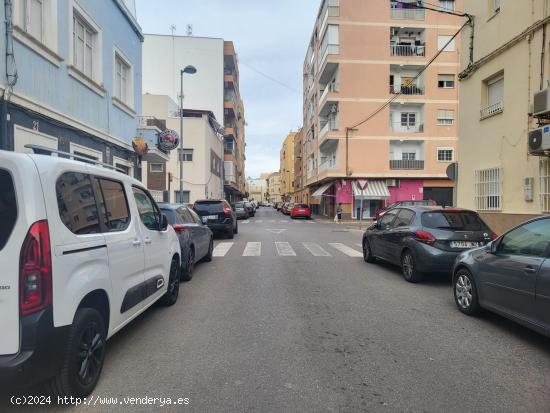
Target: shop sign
column 168, row 140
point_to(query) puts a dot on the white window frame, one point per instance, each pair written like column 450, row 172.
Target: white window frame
column 443, row 5
column 488, row 189
column 445, row 82
column 156, row 163
column 442, row 40
column 126, row 163
column 95, row 82
column 126, row 104
column 496, row 5
column 75, row 147
column 187, row 151
column 452, row 150
column 445, row 121
column 544, row 184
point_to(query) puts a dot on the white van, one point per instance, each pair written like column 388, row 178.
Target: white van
column 83, row 251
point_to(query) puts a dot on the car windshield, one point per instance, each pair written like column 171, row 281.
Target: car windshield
column 451, row 220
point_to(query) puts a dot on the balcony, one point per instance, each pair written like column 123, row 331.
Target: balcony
column 330, row 43
column 491, row 110
column 151, row 122
column 407, row 164
column 407, row 13
column 330, row 8
column 407, row 50
column 407, row 127
column 406, row 90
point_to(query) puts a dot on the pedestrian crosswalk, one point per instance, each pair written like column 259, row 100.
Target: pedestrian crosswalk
column 284, row 249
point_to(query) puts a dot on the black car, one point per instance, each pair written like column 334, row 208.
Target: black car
column 196, row 239
column 218, row 215
column 510, row 276
column 424, row 239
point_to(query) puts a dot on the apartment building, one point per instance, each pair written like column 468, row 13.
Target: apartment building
column 257, row 190
column 214, row 88
column 71, row 78
column 286, row 170
column 360, row 55
column 202, row 157
column 274, row 187
column 504, row 170
column 301, row 191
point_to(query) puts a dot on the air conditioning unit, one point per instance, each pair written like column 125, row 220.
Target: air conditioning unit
column 538, row 142
column 528, row 189
column 541, row 103
column 391, row 182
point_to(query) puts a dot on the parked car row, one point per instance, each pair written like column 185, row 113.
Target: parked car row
column 294, row 210
column 509, row 275
column 245, row 209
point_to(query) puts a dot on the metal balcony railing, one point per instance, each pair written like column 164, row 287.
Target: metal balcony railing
column 491, row 110
column 158, row 196
column 410, row 128
column 406, row 90
column 408, row 14
column 407, row 164
column 407, row 50
column 145, row 121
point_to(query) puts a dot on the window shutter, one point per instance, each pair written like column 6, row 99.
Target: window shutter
column 446, row 78
column 495, row 91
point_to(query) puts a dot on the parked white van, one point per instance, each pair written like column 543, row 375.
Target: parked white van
column 83, row 251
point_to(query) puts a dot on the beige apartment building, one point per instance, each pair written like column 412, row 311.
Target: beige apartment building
column 287, row 166
column 504, row 172
column 361, row 54
column 274, row 187
column 257, row 190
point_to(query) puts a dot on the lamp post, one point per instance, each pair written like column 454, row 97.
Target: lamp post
column 189, row 70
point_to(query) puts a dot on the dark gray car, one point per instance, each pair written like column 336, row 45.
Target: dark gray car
column 424, row 239
column 510, row 276
column 240, row 210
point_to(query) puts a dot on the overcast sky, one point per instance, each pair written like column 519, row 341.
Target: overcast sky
column 271, row 37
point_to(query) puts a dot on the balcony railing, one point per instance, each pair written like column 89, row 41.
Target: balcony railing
column 406, row 164
column 408, row 14
column 330, row 88
column 158, row 196
column 410, row 128
column 330, row 125
column 406, row 90
column 328, row 164
column 407, row 50
column 491, row 110
column 151, row 121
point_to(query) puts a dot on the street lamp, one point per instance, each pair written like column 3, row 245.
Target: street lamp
column 191, row 70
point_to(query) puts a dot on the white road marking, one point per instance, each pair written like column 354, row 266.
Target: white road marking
column 310, row 222
column 350, row 252
column 253, row 249
column 246, row 221
column 359, row 245
column 283, row 220
column 284, row 249
column 315, row 249
column 272, row 221
column 222, row 249
column 276, row 231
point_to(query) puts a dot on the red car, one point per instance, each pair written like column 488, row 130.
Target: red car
column 424, row 202
column 300, row 211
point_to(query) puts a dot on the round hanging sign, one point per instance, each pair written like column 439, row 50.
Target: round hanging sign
column 169, row 140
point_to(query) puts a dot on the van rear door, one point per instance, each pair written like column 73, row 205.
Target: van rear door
column 21, row 204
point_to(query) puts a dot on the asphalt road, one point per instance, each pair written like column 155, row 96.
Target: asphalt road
column 312, row 328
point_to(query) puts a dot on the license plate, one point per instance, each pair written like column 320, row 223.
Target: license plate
column 465, row 244
column 207, row 217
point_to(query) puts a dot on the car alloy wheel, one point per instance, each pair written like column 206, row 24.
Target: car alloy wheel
column 408, row 267
column 367, row 252
column 463, row 288
column 91, row 352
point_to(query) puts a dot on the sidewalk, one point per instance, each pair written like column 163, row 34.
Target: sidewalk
column 345, row 223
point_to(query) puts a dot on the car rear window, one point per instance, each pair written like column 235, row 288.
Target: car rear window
column 459, row 221
column 8, row 207
column 170, row 215
column 239, row 205
column 300, row 206
column 209, row 207
column 417, row 203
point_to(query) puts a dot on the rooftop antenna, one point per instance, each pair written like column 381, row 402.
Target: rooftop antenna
column 172, row 29
column 189, row 30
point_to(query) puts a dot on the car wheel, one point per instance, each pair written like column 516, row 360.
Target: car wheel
column 367, row 252
column 236, row 229
column 189, row 268
column 208, row 256
column 408, row 267
column 171, row 296
column 465, row 292
column 84, row 356
column 230, row 233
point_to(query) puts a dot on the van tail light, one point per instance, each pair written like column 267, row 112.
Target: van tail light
column 179, row 228
column 494, row 236
column 35, row 270
column 425, row 237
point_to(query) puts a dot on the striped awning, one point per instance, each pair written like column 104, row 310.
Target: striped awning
column 321, row 190
column 376, row 189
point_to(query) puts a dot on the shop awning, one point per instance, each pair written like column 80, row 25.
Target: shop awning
column 321, row 191
column 376, row 189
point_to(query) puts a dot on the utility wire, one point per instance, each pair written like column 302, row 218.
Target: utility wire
column 393, row 98
column 270, row 78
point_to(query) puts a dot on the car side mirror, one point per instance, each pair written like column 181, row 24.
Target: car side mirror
column 493, row 248
column 163, row 225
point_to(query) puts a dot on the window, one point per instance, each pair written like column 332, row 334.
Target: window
column 187, row 155
column 531, row 239
column 84, row 44
column 404, row 219
column 447, row 5
column 185, row 216
column 8, row 207
column 445, row 117
column 148, row 209
column 544, row 184
column 33, row 17
column 85, row 152
column 387, row 219
column 77, row 203
column 495, row 91
column 408, row 119
column 457, row 221
column 181, row 199
column 488, row 187
column 445, row 154
column 156, row 167
column 408, row 156
column 114, row 206
column 496, row 5
column 443, row 40
column 196, row 218
column 122, row 80
column 446, row 81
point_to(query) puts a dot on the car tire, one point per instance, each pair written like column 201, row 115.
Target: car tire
column 87, row 335
column 172, row 293
column 208, row 256
column 230, row 234
column 408, row 267
column 188, row 269
column 465, row 292
column 236, row 229
column 367, row 252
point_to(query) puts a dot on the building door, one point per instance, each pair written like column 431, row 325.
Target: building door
column 443, row 196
